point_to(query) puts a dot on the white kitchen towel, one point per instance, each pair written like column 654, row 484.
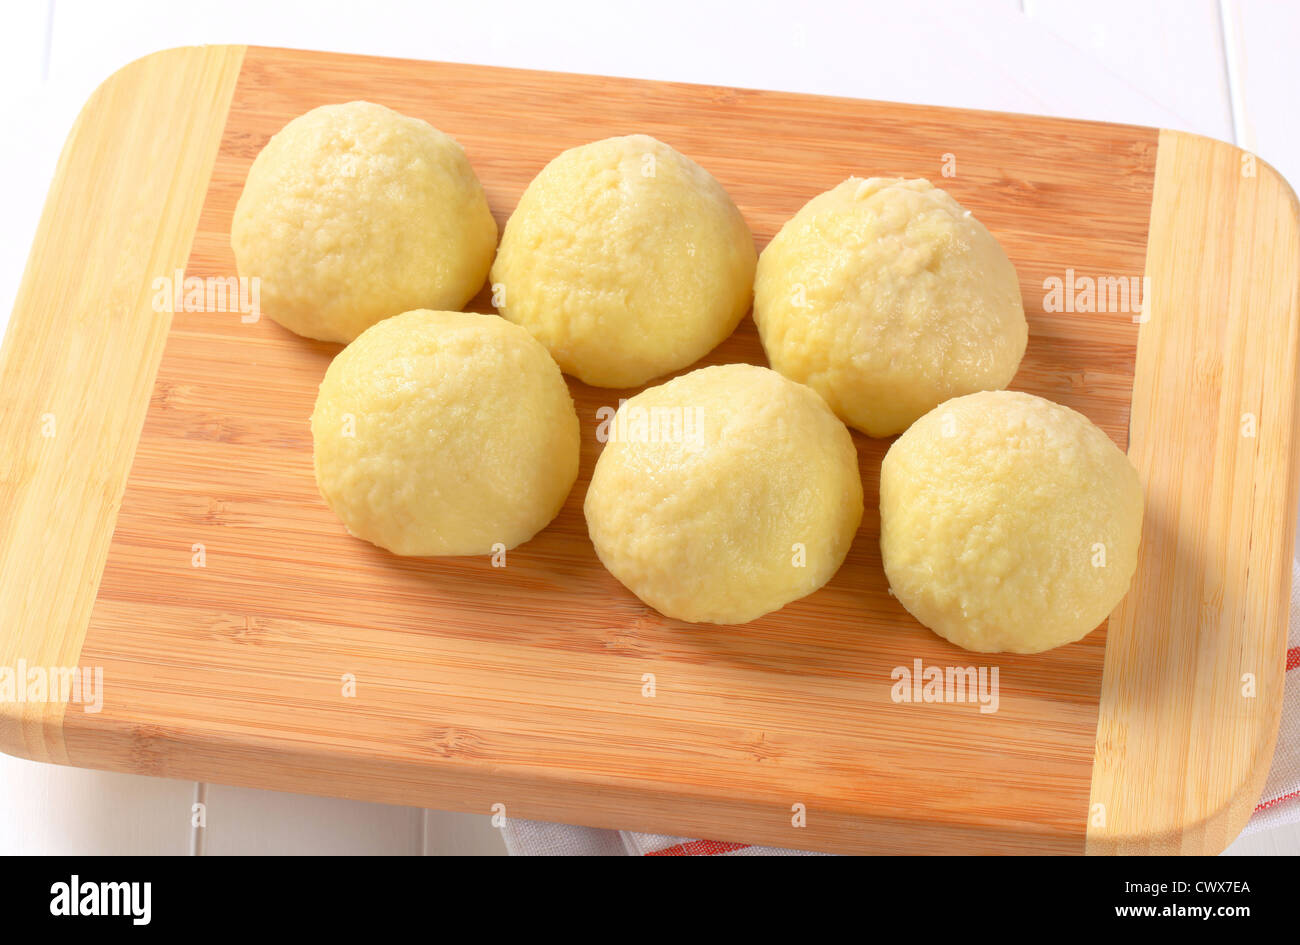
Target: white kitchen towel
column 1280, row 803
column 533, row 838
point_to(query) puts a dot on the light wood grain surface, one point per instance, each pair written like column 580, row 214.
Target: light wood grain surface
column 523, row 685
column 1196, row 656
column 232, row 672
column 79, row 360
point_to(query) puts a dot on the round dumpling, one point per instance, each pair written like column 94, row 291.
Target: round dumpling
column 887, row 298
column 627, row 260
column 1008, row 522
column 724, row 494
column 444, row 433
column 354, row 213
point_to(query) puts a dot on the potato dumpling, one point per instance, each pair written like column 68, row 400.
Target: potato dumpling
column 1008, row 522
column 354, row 213
column 887, row 298
column 627, row 260
column 724, row 494
column 444, row 433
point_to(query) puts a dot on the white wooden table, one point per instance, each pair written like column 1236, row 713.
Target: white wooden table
column 1224, row 68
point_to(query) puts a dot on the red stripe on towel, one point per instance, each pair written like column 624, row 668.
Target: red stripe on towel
column 698, row 848
column 1277, row 800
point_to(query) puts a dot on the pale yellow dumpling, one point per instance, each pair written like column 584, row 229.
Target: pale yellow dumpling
column 724, row 494
column 627, row 260
column 1008, row 522
column 354, row 213
column 888, row 298
column 444, row 433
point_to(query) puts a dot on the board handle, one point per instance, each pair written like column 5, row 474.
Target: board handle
column 1195, row 655
column 81, row 353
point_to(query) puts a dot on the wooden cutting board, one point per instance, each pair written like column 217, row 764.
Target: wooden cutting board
column 159, row 520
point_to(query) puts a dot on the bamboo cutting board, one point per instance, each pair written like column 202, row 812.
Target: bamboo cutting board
column 159, row 519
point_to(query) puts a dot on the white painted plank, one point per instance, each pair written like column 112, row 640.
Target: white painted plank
column 243, row 821
column 1168, row 51
column 978, row 56
column 23, row 45
column 1268, row 75
column 452, row 834
column 53, row 810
